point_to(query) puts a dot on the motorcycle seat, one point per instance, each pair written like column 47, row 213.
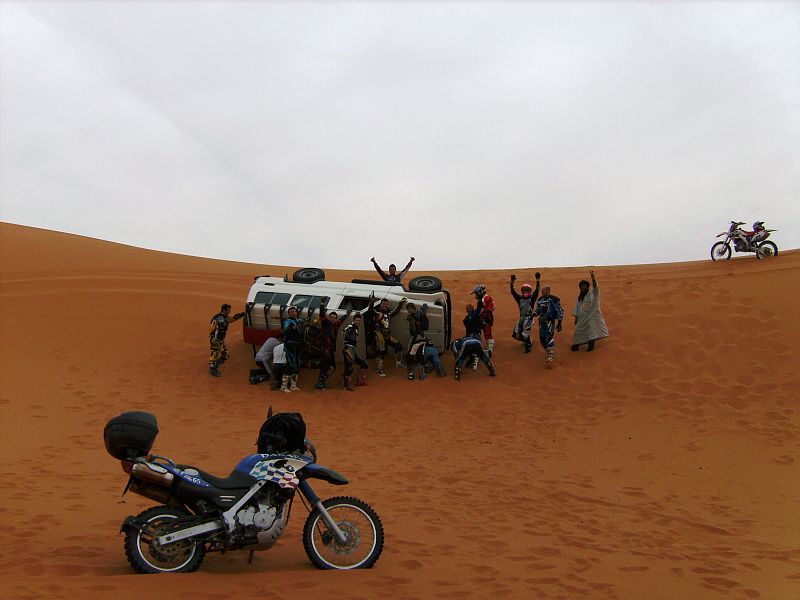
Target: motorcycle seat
column 237, row 480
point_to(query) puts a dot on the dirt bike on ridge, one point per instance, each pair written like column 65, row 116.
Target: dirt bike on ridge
column 745, row 241
column 248, row 510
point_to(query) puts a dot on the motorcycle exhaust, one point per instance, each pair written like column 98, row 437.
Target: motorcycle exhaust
column 147, row 472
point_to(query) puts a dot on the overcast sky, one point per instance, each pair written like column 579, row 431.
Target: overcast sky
column 468, row 134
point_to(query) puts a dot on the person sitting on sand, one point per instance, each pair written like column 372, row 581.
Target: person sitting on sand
column 589, row 323
column 392, row 275
column 526, row 301
column 550, row 314
column 219, row 329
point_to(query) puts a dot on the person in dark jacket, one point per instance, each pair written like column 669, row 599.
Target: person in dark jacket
column 392, row 275
column 329, row 323
column 550, row 314
column 417, row 326
column 464, row 349
column 217, row 333
column 351, row 356
column 292, row 327
column 382, row 316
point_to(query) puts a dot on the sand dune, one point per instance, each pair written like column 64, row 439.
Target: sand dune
column 666, row 464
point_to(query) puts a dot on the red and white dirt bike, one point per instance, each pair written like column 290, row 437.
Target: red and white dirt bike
column 745, row 241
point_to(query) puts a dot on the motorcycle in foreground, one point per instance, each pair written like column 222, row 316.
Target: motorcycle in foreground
column 248, row 510
column 745, row 241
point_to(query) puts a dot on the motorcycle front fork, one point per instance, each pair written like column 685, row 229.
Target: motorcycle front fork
column 306, row 490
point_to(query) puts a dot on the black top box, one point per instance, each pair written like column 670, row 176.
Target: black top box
column 130, row 434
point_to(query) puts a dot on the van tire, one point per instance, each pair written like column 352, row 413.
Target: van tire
column 425, row 284
column 308, row 275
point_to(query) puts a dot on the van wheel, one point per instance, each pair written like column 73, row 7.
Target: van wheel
column 308, row 275
column 425, row 283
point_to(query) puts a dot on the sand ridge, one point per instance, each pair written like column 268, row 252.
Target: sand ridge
column 663, row 465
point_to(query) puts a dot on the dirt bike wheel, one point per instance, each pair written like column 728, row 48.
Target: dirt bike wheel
column 720, row 251
column 767, row 250
column 146, row 557
column 358, row 521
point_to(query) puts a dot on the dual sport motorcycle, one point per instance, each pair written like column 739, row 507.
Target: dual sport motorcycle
column 248, row 510
column 745, row 241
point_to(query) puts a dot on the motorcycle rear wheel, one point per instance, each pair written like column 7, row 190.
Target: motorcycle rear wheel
column 358, row 521
column 767, row 250
column 720, row 251
column 146, row 556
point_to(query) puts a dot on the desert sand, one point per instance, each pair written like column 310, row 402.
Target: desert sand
column 665, row 464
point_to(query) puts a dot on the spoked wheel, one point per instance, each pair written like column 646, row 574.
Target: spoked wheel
column 767, row 250
column 720, row 251
column 360, row 524
column 147, row 556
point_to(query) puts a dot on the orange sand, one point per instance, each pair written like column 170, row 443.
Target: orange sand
column 664, row 465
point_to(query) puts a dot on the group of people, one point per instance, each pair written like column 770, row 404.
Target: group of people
column 279, row 358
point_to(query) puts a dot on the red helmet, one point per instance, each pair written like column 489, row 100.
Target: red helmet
column 488, row 303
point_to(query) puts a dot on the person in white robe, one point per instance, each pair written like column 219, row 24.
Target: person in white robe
column 589, row 323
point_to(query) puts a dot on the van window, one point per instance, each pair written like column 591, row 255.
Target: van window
column 301, row 301
column 353, row 303
column 271, row 298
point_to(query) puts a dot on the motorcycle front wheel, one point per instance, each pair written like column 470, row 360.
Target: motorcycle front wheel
column 720, row 251
column 767, row 250
column 145, row 554
column 360, row 524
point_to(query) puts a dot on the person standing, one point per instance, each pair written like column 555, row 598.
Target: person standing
column 292, row 341
column 392, row 275
column 589, row 323
column 329, row 324
column 382, row 315
column 217, row 333
column 351, row 356
column 526, row 301
column 550, row 314
column 417, row 326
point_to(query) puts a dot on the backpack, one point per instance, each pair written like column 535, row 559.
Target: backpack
column 282, row 433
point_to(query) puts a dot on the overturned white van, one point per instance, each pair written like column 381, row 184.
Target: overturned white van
column 307, row 288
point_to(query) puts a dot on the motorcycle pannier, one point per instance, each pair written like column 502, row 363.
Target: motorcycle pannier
column 130, row 434
column 282, row 433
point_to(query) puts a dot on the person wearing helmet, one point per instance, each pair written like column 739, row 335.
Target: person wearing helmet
column 550, row 314
column 392, row 275
column 589, row 323
column 216, row 337
column 486, row 303
column 526, row 301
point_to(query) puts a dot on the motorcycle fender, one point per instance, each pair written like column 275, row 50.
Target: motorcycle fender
column 315, row 471
column 131, row 523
